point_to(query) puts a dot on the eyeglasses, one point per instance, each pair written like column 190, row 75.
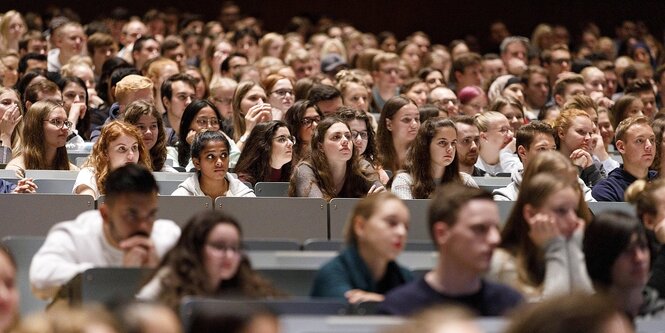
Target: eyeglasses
column 561, row 61
column 224, row 248
column 284, row 138
column 389, row 71
column 308, row 121
column 283, row 92
column 208, row 122
column 59, row 123
column 446, row 101
column 225, row 101
column 363, row 134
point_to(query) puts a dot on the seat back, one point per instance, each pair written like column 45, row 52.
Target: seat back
column 34, row 214
column 271, row 189
column 23, row 248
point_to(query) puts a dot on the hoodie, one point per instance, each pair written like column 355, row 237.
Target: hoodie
column 191, row 187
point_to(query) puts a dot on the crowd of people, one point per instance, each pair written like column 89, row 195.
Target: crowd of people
column 341, row 113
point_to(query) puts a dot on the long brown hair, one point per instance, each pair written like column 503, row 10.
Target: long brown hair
column 239, row 118
column 34, row 149
column 515, row 235
column 356, row 183
column 99, row 158
column 186, row 274
column 419, row 160
column 387, row 153
column 254, row 161
column 133, row 114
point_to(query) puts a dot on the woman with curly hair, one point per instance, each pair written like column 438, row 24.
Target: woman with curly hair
column 363, row 135
column 332, row 170
column 45, row 130
column 267, row 154
column 144, row 115
column 302, row 119
column 431, row 160
column 119, row 144
column 207, row 261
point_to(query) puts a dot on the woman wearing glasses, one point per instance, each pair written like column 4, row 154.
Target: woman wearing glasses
column 119, row 144
column 210, row 155
column 333, row 169
column 364, row 141
column 267, row 154
column 302, row 119
column 207, row 261
column 432, row 160
column 45, row 130
column 280, row 94
column 200, row 116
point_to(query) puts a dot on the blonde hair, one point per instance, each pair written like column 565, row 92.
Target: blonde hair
column 483, row 120
column 364, row 209
column 131, row 84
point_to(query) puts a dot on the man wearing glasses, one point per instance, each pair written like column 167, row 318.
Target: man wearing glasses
column 124, row 232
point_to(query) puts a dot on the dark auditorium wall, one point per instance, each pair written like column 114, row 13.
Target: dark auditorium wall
column 444, row 20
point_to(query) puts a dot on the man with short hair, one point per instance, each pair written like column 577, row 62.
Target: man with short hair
column 145, row 48
column 233, row 66
column 464, row 226
column 514, row 51
column 643, row 89
column 131, row 31
column 39, row 91
column 556, row 60
column 594, row 85
column 385, row 72
column 468, row 144
column 123, row 232
column 465, row 71
column 131, row 88
column 493, row 67
column 33, row 42
column 537, row 90
column 31, row 61
column 327, row 98
column 636, row 143
column 174, row 48
column 68, row 40
column 567, row 87
column 101, row 47
column 445, row 99
column 177, row 92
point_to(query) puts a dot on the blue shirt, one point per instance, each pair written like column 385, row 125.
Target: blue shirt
column 613, row 187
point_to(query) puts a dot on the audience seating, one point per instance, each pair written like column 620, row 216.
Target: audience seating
column 270, row 245
column 209, row 315
column 325, row 324
column 492, row 183
column 106, row 285
column 294, row 282
column 597, row 207
column 34, row 214
column 271, row 189
column 23, row 248
column 278, row 218
column 169, row 181
column 179, row 209
column 323, row 245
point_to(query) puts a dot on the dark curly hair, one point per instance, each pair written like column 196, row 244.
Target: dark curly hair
column 254, row 163
column 185, row 273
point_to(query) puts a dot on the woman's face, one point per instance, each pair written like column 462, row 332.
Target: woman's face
column 443, row 146
column 206, row 119
column 147, row 125
column 122, row 151
column 222, row 253
column 605, row 128
column 359, row 135
column 213, row 161
column 578, row 134
column 562, row 207
column 308, row 125
column 418, row 93
column 55, row 137
column 16, row 28
column 405, row 124
column 282, row 148
column 514, row 115
column 356, row 96
column 8, row 102
column 411, row 55
column 631, row 268
column 9, row 296
column 254, row 96
column 281, row 96
column 515, row 90
column 73, row 93
column 275, row 48
column 636, row 108
column 10, row 65
column 337, row 143
column 475, row 106
column 384, row 233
